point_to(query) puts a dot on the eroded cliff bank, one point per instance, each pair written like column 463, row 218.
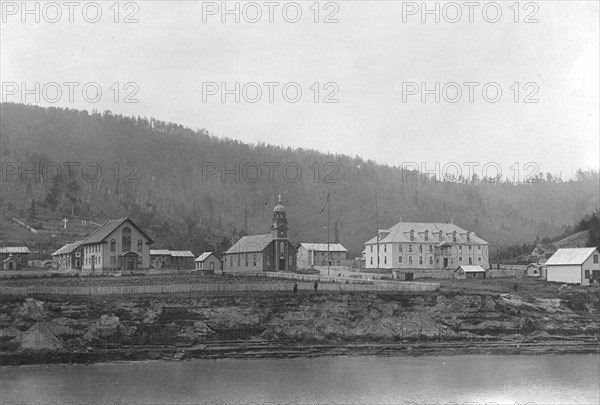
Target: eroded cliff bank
column 47, row 330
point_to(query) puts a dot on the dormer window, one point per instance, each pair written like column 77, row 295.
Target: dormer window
column 426, row 235
column 412, row 235
column 441, row 238
column 454, row 236
column 468, row 236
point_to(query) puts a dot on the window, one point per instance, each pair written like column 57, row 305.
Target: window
column 239, row 260
column 400, row 259
column 371, row 248
column 470, row 247
column 139, row 246
column 254, row 259
column 479, row 259
column 77, row 254
column 460, row 259
column 441, row 236
column 430, row 248
column 269, row 260
column 409, row 259
column 420, row 259
column 454, row 237
column 231, row 261
column 384, row 259
column 290, row 260
column 412, row 235
column 595, row 259
column 410, row 248
column 587, row 274
column 478, row 247
column 400, row 248
column 112, row 260
column 426, row 235
column 139, row 259
column 470, row 260
column 126, row 240
column 430, row 259
column 113, row 244
column 421, row 248
column 371, row 260
column 384, row 248
column 246, row 260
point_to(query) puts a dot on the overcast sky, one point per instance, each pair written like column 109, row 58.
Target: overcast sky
column 370, row 57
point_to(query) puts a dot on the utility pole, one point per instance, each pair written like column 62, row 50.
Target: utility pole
column 328, row 215
column 377, row 227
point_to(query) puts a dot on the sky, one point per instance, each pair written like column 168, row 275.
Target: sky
column 516, row 86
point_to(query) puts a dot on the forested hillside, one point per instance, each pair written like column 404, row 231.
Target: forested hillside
column 184, row 186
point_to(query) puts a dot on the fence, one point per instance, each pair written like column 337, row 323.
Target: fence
column 346, row 281
column 213, row 288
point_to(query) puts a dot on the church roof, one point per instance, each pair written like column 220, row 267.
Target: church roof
column 251, row 243
column 109, row 227
column 401, row 233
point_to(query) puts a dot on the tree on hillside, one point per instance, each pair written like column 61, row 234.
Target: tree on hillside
column 32, row 211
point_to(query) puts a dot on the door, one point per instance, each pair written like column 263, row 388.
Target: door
column 212, row 265
column 281, row 263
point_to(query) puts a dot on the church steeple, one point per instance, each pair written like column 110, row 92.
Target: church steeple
column 280, row 224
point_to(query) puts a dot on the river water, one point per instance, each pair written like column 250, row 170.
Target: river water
column 543, row 379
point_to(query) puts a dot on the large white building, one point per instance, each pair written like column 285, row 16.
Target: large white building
column 420, row 245
column 576, row 266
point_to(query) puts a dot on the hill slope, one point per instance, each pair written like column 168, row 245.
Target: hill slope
column 196, row 191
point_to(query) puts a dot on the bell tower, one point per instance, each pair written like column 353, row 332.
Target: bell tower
column 279, row 232
column 279, row 229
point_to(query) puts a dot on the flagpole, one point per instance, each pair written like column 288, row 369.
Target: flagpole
column 328, row 214
column 377, row 226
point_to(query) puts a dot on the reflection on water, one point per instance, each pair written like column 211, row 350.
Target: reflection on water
column 544, row 379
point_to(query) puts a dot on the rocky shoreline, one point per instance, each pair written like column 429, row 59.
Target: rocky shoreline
column 48, row 330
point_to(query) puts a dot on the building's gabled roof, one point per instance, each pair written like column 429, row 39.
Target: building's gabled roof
column 252, row 243
column 67, row 249
column 14, row 249
column 205, row 256
column 100, row 234
column 471, row 269
column 181, row 253
column 401, row 233
column 160, row 252
column 570, row 256
column 322, row 247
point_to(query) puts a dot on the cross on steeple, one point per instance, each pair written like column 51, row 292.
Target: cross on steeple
column 279, row 198
column 65, row 222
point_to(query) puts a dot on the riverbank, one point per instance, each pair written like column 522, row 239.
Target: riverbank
column 278, row 325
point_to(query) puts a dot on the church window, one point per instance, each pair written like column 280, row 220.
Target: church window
column 139, row 246
column 126, row 239
column 246, row 260
column 268, row 260
column 113, row 244
column 290, row 260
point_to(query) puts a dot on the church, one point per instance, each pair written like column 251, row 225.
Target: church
column 271, row 251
